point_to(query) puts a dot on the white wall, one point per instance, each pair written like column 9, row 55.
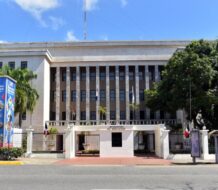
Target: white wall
column 106, row 149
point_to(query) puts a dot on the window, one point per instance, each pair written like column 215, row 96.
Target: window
column 73, row 76
column 102, row 95
column 122, row 95
column 53, row 75
column 53, row 96
column 63, row 115
column 52, row 115
column 24, row 116
column 112, row 115
column 92, row 95
column 93, row 115
column 92, row 76
column 112, row 95
column 23, row 65
column 63, row 95
column 141, row 76
column 141, row 95
column 116, row 139
column 83, row 96
column 83, row 75
column 131, row 75
column 73, row 96
column 122, row 75
column 152, row 115
column 112, row 75
column 122, row 115
column 63, row 75
column 162, row 114
column 1, row 64
column 83, row 115
column 102, row 75
column 11, row 64
column 142, row 115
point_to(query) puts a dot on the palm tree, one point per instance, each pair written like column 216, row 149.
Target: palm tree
column 25, row 96
column 102, row 111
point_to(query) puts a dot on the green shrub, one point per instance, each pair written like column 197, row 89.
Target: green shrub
column 10, row 153
column 53, row 130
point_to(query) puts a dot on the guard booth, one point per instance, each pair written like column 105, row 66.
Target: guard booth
column 7, row 106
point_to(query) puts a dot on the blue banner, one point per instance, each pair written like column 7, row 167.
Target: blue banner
column 195, row 143
column 7, row 105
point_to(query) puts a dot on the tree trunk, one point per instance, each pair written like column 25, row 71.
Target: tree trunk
column 20, row 120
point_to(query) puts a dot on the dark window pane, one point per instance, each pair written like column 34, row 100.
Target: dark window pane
column 23, row 65
column 141, row 95
column 92, row 76
column 122, row 75
column 63, row 75
column 83, row 76
column 83, row 96
column 112, row 75
column 116, row 139
column 112, row 95
column 83, row 115
column 93, row 115
column 112, row 115
column 73, row 96
column 92, row 95
column 63, row 95
column 102, row 95
column 122, row 95
column 73, row 76
column 11, row 64
column 122, row 115
column 102, row 75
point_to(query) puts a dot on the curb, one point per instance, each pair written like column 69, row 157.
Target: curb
column 11, row 163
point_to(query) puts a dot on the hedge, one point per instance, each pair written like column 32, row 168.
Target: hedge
column 10, row 153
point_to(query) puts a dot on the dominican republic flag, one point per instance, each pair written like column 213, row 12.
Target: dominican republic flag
column 186, row 132
column 133, row 96
column 96, row 97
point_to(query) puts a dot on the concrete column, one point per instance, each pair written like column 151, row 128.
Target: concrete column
column 127, row 92
column 70, row 138
column 57, row 117
column 147, row 87
column 137, row 90
column 162, row 141
column 204, row 143
column 117, row 93
column 97, row 94
column 29, row 142
column 165, row 144
column 87, row 94
column 68, row 94
column 107, row 94
column 151, row 142
column 77, row 94
column 157, row 79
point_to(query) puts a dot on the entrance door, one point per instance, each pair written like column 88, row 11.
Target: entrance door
column 81, row 142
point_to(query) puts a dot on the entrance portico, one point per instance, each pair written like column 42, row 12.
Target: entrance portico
column 117, row 140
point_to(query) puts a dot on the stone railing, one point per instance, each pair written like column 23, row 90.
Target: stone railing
column 112, row 122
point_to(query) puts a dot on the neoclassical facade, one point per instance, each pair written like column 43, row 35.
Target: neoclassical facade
column 93, row 83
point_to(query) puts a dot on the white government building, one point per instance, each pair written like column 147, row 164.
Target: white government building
column 79, row 81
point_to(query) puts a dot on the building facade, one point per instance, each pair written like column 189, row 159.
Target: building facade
column 94, row 83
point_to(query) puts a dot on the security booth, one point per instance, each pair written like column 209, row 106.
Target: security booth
column 214, row 133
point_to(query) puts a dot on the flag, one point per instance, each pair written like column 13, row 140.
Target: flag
column 96, row 97
column 133, row 97
column 186, row 132
column 46, row 130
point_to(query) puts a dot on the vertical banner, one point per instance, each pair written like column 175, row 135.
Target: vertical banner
column 2, row 109
column 7, row 105
column 195, row 143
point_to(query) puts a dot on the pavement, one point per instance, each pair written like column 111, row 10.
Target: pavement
column 97, row 161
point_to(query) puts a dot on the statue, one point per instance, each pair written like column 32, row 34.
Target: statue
column 200, row 120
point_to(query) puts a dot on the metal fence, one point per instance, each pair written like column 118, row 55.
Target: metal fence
column 178, row 144
column 52, row 143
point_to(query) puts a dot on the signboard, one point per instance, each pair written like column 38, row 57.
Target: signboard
column 7, row 102
column 195, row 143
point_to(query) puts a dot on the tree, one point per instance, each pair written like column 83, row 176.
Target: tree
column 25, row 96
column 190, row 73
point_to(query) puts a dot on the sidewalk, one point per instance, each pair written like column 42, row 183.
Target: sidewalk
column 114, row 161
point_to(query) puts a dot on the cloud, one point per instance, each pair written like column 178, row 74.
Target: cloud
column 90, row 5
column 123, row 3
column 2, row 42
column 56, row 22
column 37, row 7
column 104, row 37
column 71, row 36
